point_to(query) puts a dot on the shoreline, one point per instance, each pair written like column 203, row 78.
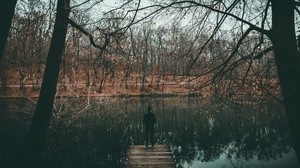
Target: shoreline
column 153, row 94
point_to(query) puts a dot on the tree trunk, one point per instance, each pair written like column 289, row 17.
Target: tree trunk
column 288, row 64
column 43, row 111
column 7, row 10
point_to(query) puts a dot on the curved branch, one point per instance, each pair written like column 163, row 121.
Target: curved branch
column 259, row 55
column 81, row 29
column 234, row 51
column 197, row 4
column 79, row 4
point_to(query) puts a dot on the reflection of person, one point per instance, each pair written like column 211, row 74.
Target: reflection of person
column 149, row 121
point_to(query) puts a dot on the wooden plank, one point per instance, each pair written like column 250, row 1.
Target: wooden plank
column 158, row 157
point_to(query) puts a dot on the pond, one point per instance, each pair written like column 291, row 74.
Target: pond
column 86, row 132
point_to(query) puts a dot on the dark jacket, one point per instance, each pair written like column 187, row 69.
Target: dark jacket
column 149, row 119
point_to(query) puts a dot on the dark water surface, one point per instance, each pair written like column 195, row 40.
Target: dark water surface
column 207, row 135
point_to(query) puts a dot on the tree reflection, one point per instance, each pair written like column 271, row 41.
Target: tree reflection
column 195, row 131
column 240, row 131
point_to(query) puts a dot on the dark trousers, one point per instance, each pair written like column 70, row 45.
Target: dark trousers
column 149, row 130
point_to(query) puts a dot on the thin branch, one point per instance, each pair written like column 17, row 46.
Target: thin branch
column 121, row 7
column 197, row 4
column 132, row 21
column 223, row 65
column 102, row 48
column 247, row 72
column 264, row 88
column 259, row 55
column 193, row 61
column 297, row 10
column 265, row 14
column 80, row 4
column 107, row 39
column 81, row 29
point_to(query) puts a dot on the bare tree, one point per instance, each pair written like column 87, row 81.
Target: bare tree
column 43, row 111
column 6, row 16
column 273, row 20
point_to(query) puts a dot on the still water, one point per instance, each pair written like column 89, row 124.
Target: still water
column 87, row 133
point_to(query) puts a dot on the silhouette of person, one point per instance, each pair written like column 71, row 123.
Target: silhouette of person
column 149, row 121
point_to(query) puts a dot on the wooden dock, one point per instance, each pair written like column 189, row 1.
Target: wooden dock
column 159, row 157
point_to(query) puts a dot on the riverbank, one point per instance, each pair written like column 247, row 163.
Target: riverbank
column 15, row 91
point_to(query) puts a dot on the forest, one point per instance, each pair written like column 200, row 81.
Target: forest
column 146, row 58
column 238, row 51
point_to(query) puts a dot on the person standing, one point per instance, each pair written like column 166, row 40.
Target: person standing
column 149, row 121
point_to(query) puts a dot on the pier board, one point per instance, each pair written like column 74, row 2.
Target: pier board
column 159, row 157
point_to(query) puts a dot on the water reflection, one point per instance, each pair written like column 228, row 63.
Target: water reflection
column 236, row 132
column 217, row 135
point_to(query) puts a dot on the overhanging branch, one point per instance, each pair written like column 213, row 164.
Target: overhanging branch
column 259, row 55
column 81, row 29
column 198, row 4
